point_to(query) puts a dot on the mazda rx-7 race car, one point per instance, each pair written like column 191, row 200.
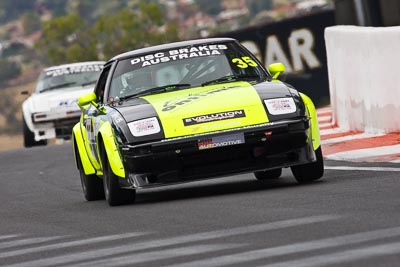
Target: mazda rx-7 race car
column 191, row 110
column 52, row 110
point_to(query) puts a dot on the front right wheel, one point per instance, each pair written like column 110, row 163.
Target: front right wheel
column 115, row 195
column 309, row 172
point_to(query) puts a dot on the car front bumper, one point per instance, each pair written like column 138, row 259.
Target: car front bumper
column 57, row 128
column 268, row 146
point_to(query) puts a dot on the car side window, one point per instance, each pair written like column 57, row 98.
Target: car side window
column 101, row 84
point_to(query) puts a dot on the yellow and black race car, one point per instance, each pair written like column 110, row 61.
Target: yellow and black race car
column 190, row 110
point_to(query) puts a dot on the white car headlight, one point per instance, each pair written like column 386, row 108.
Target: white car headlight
column 144, row 127
column 279, row 106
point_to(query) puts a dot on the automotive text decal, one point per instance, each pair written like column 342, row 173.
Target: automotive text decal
column 220, row 141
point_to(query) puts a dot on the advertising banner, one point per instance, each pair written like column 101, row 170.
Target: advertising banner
column 299, row 44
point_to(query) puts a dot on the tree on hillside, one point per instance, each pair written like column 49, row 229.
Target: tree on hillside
column 132, row 29
column 91, row 10
column 12, row 9
column 255, row 6
column 68, row 38
column 210, row 7
column 31, row 22
column 9, row 70
column 57, row 7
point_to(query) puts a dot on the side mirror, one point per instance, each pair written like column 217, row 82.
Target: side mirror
column 276, row 69
column 89, row 98
column 86, row 99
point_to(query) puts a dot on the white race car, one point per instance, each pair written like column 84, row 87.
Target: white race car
column 51, row 111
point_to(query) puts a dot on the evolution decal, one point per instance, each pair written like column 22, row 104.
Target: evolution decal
column 214, row 117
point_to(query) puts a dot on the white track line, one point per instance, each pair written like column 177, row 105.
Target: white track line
column 7, row 236
column 325, row 124
column 68, row 244
column 354, row 168
column 349, row 138
column 324, row 120
column 344, row 256
column 27, row 241
column 331, row 131
column 365, row 153
column 324, row 110
column 308, row 246
column 179, row 240
column 135, row 258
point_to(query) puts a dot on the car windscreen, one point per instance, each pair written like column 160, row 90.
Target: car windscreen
column 67, row 77
column 184, row 67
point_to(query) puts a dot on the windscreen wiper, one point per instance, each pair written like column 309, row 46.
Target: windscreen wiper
column 57, row 86
column 231, row 78
column 159, row 89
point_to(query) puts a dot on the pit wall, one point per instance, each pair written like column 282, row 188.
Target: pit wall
column 364, row 78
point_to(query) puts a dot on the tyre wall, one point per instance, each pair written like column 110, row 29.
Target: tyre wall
column 364, row 77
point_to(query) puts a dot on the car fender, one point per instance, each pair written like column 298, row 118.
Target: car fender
column 79, row 145
column 314, row 121
column 27, row 113
column 106, row 135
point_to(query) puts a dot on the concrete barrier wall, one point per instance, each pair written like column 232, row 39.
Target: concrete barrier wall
column 364, row 77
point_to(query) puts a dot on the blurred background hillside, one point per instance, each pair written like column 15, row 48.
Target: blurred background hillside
column 39, row 33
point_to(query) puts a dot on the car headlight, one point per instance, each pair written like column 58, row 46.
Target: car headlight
column 37, row 117
column 279, row 106
column 144, row 127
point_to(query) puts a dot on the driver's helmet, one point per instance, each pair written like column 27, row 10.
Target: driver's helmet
column 138, row 80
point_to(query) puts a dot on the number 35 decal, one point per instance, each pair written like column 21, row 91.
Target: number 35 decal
column 244, row 62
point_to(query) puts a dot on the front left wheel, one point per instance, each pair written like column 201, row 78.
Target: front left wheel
column 92, row 186
column 115, row 195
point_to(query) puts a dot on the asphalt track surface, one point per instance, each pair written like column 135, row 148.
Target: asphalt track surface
column 349, row 218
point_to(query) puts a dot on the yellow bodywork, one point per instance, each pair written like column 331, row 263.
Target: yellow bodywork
column 314, row 121
column 78, row 139
column 89, row 163
column 173, row 107
column 113, row 154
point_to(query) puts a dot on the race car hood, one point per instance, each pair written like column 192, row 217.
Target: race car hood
column 207, row 109
column 64, row 99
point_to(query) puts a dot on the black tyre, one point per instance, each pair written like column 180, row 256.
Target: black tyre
column 92, row 186
column 310, row 172
column 268, row 174
column 29, row 137
column 114, row 194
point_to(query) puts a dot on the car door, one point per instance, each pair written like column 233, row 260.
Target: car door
column 93, row 116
